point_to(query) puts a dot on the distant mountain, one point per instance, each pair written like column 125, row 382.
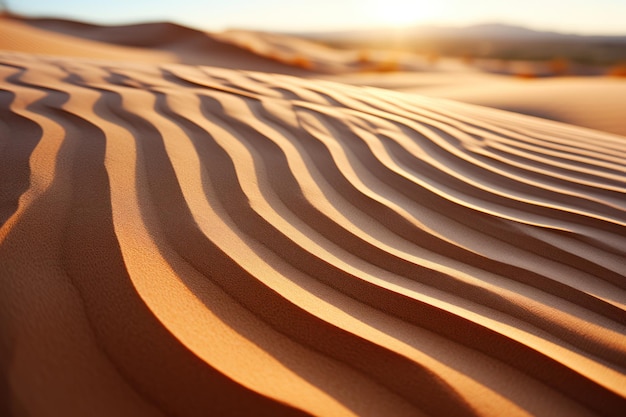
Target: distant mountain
column 492, row 41
column 502, row 31
column 489, row 31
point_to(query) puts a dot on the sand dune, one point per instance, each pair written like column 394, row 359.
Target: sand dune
column 17, row 35
column 183, row 240
column 179, row 240
column 150, row 42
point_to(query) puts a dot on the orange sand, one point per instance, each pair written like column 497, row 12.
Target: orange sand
column 193, row 240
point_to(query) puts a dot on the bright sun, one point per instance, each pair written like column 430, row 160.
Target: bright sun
column 400, row 12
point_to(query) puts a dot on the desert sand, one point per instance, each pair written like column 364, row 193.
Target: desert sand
column 197, row 240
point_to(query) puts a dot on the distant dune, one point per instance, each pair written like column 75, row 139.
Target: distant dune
column 150, row 42
column 200, row 240
column 16, row 35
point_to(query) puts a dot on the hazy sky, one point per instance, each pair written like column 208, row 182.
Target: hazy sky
column 576, row 16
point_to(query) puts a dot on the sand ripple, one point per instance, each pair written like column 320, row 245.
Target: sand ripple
column 181, row 240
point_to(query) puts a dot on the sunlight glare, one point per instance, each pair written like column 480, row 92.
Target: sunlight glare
column 401, row 12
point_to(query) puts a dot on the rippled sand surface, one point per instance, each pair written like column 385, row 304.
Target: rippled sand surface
column 191, row 241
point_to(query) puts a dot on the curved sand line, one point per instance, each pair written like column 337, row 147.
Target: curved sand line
column 182, row 240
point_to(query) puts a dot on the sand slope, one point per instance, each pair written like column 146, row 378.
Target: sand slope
column 187, row 241
column 593, row 102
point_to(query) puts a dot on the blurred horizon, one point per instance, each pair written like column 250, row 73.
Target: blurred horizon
column 602, row 17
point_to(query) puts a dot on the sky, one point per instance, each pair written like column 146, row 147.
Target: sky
column 570, row 16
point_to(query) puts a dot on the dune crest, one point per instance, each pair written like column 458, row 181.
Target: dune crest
column 180, row 240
